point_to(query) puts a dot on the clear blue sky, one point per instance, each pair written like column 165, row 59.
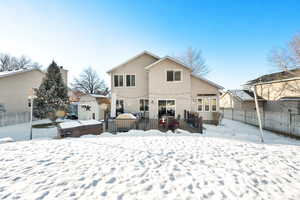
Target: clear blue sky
column 235, row 36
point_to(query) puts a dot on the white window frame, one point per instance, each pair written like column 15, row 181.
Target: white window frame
column 144, row 105
column 130, row 80
column 199, row 104
column 209, row 98
column 211, row 105
column 174, row 70
column 166, row 105
column 119, row 75
column 123, row 104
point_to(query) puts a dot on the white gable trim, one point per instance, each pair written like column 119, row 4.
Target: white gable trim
column 208, row 81
column 133, row 58
column 168, row 58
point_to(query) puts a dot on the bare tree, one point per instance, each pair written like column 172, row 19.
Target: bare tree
column 286, row 58
column 10, row 63
column 90, row 83
column 193, row 58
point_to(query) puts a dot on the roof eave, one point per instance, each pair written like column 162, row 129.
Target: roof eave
column 127, row 61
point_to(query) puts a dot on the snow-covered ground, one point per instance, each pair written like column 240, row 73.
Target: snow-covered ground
column 230, row 129
column 153, row 165
column 20, row 132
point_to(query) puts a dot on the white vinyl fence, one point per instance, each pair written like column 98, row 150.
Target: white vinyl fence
column 283, row 122
column 14, row 118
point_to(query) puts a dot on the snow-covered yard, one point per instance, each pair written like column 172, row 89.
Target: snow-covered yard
column 153, row 165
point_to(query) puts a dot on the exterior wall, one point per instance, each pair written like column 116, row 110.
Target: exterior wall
column 83, row 114
column 132, row 95
column 64, row 74
column 15, row 89
column 160, row 89
column 250, row 105
column 226, row 101
column 282, row 106
column 277, row 90
column 201, row 87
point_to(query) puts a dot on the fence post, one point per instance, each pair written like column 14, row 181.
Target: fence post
column 232, row 113
column 200, row 125
column 245, row 118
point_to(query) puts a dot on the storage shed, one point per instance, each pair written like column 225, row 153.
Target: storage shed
column 93, row 106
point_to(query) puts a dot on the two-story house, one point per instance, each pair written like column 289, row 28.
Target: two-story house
column 161, row 86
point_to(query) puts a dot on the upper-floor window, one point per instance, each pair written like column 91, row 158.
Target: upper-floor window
column 118, row 80
column 173, row 75
column 130, row 80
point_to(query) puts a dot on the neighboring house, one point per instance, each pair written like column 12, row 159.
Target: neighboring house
column 90, row 106
column 281, row 90
column 240, row 100
column 161, row 86
column 74, row 97
column 278, row 85
column 16, row 86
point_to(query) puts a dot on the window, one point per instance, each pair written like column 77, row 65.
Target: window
column 119, row 106
column 200, row 105
column 206, row 104
column 2, row 108
column 118, row 80
column 166, row 108
column 144, row 105
column 173, row 75
column 213, row 103
column 130, row 80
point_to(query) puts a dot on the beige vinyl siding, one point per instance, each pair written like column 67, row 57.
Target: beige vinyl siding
column 201, row 87
column 15, row 90
column 132, row 95
column 160, row 89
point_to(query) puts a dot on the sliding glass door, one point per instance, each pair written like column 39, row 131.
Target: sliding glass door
column 166, row 108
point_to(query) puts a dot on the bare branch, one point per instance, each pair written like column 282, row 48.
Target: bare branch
column 193, row 58
column 90, row 83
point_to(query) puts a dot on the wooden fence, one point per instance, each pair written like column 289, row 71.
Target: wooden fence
column 14, row 118
column 122, row 125
column 282, row 122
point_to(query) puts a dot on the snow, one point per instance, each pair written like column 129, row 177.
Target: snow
column 149, row 165
column 230, row 129
column 126, row 116
column 21, row 132
column 73, row 124
column 9, row 73
column 242, row 95
column 98, row 96
column 6, row 140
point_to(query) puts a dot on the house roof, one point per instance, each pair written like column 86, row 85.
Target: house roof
column 278, row 76
column 290, row 99
column 15, row 72
column 207, row 81
column 244, row 95
column 185, row 66
column 168, row 58
column 131, row 59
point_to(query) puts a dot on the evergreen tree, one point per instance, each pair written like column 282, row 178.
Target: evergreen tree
column 52, row 95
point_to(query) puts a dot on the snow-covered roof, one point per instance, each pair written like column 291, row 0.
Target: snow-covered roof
column 15, row 72
column 73, row 124
column 98, row 96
